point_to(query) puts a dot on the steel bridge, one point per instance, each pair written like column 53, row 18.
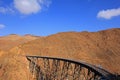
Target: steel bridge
column 50, row 68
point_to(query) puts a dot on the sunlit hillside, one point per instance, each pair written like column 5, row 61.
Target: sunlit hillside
column 100, row 48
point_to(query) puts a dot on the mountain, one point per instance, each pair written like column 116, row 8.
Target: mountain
column 100, row 48
column 9, row 41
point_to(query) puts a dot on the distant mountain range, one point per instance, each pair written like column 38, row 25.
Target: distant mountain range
column 100, row 48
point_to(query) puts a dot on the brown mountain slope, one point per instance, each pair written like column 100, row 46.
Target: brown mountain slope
column 7, row 42
column 98, row 48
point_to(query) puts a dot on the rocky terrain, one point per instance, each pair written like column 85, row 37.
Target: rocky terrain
column 100, row 48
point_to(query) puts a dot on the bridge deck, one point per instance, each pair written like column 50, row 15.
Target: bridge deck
column 102, row 72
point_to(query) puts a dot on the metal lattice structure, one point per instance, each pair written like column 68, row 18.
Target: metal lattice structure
column 48, row 68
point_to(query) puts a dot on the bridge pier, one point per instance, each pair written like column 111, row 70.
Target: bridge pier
column 48, row 68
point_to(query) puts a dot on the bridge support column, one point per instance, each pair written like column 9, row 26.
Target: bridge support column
column 47, row 68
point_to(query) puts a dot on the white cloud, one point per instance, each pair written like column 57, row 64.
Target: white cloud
column 108, row 14
column 5, row 10
column 30, row 6
column 25, row 6
column 2, row 26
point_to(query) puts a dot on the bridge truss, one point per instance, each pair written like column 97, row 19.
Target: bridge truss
column 49, row 68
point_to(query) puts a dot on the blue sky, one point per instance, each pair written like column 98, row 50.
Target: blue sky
column 46, row 17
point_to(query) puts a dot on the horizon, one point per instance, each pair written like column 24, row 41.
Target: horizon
column 55, row 33
column 47, row 17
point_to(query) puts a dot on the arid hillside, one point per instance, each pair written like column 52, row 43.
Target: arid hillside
column 10, row 41
column 100, row 48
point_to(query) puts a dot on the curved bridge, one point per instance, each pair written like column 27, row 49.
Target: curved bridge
column 50, row 68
